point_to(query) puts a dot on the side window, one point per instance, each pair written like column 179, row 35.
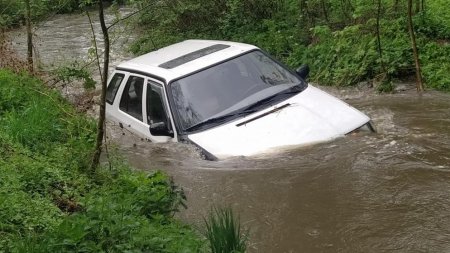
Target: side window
column 155, row 106
column 131, row 101
column 113, row 87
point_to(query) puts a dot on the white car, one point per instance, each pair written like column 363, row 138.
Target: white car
column 227, row 98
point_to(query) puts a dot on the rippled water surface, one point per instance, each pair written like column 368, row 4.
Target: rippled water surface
column 64, row 39
column 384, row 192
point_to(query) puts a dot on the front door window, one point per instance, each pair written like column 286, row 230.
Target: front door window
column 131, row 101
column 155, row 107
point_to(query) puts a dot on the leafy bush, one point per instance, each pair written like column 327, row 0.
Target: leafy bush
column 435, row 21
column 130, row 213
column 12, row 13
column 436, row 65
column 75, row 71
column 49, row 200
column 341, row 58
column 338, row 38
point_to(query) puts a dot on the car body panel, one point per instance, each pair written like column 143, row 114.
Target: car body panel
column 149, row 63
column 312, row 116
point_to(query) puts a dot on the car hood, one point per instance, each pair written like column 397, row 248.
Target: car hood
column 309, row 117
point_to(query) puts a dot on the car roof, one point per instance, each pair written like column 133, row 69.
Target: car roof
column 183, row 58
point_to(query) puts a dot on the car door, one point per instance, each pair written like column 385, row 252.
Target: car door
column 131, row 110
column 156, row 110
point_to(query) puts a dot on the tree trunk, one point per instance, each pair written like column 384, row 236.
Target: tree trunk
column 345, row 13
column 307, row 19
column 418, row 6
column 104, row 80
column 419, row 83
column 380, row 50
column 325, row 11
column 29, row 36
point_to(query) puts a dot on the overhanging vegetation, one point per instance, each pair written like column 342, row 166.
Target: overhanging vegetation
column 337, row 38
column 52, row 202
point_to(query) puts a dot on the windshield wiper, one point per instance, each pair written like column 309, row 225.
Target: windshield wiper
column 246, row 110
column 219, row 119
column 276, row 97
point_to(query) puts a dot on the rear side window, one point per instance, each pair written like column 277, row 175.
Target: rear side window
column 113, row 87
column 131, row 101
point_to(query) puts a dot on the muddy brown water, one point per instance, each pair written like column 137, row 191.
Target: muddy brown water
column 384, row 192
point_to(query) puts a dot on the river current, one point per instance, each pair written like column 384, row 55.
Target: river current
column 383, row 192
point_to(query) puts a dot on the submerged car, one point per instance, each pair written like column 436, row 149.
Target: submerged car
column 227, row 98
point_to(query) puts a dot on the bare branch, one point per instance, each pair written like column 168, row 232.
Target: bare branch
column 101, row 120
column 95, row 46
column 419, row 81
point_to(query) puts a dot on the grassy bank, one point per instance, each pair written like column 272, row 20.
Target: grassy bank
column 337, row 38
column 50, row 202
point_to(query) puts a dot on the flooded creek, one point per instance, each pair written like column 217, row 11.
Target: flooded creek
column 383, row 192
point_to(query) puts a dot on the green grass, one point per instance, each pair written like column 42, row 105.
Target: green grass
column 223, row 232
column 51, row 202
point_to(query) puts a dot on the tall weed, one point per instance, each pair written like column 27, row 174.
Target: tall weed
column 223, row 232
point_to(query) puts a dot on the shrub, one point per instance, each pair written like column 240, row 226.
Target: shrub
column 336, row 38
column 49, row 200
column 435, row 65
column 75, row 71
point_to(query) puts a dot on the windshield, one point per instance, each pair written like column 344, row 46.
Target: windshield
column 231, row 87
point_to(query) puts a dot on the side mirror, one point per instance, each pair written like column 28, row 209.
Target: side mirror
column 160, row 129
column 303, row 71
